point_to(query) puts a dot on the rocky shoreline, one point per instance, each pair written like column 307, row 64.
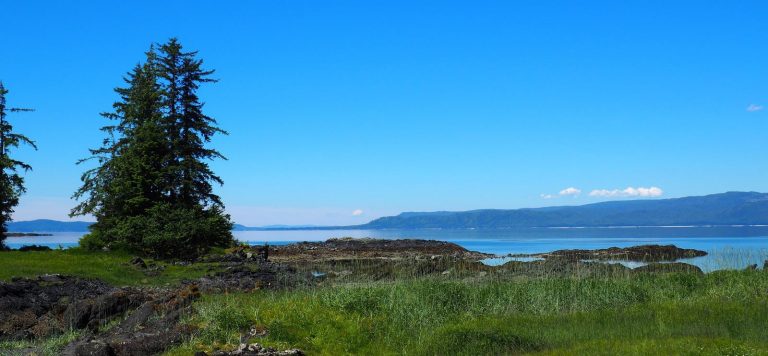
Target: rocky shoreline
column 345, row 248
column 642, row 253
column 147, row 321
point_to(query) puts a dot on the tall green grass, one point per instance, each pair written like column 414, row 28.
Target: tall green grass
column 695, row 313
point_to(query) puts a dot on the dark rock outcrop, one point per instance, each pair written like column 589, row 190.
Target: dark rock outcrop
column 153, row 325
column 92, row 313
column 643, row 253
column 568, row 267
column 246, row 278
column 344, row 248
column 149, row 330
column 33, row 308
column 48, row 305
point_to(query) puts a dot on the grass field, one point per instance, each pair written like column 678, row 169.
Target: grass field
column 719, row 313
column 111, row 267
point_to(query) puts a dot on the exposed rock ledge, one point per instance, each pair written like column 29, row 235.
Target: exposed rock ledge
column 341, row 248
column 643, row 253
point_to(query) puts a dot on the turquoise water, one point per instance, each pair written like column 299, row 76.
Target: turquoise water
column 728, row 247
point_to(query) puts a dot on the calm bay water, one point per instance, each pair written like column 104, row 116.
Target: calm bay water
column 728, row 247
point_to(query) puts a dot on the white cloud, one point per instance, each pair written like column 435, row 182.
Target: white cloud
column 570, row 191
column 628, row 192
column 357, row 212
column 754, row 107
column 546, row 196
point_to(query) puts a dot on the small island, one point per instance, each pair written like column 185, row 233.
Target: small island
column 26, row 234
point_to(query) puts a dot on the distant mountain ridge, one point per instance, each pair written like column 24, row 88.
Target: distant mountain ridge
column 45, row 225
column 731, row 208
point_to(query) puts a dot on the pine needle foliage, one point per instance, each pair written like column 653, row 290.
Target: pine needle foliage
column 151, row 189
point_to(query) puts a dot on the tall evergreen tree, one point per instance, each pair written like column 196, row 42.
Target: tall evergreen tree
column 152, row 188
column 11, row 182
column 189, row 128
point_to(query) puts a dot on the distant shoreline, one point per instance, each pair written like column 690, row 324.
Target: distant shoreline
column 361, row 227
column 649, row 226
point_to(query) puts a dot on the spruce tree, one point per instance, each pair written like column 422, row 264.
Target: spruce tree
column 11, row 181
column 189, row 128
column 152, row 188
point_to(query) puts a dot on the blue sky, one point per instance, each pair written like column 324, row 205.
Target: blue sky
column 343, row 111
